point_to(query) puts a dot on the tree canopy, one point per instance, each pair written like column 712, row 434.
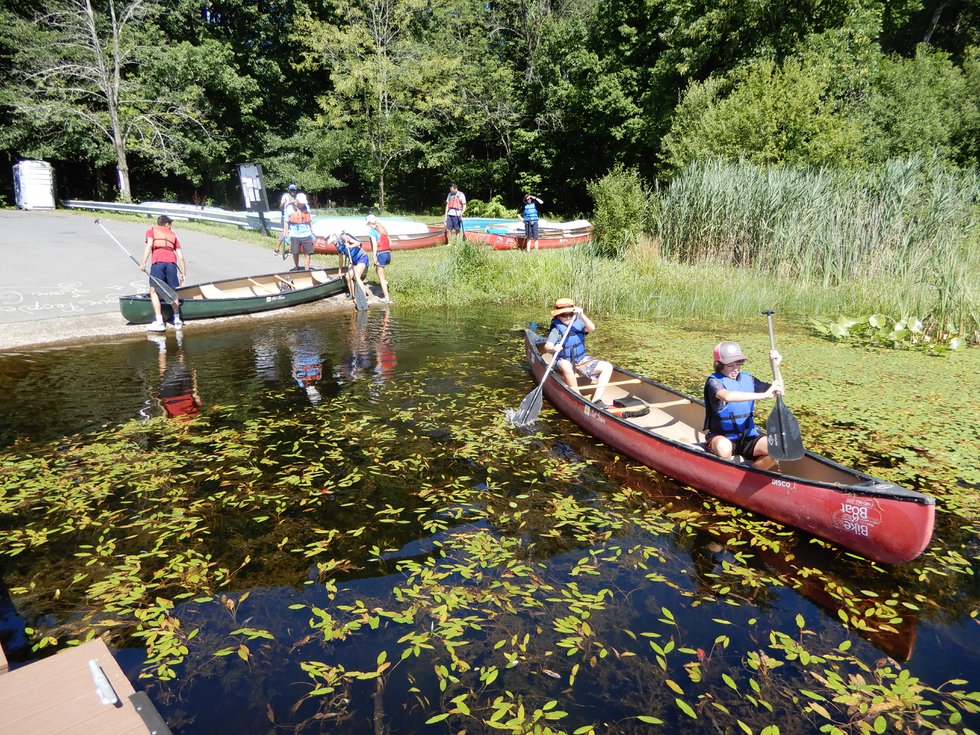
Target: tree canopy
column 383, row 102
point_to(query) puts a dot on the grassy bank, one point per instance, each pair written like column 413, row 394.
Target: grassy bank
column 642, row 285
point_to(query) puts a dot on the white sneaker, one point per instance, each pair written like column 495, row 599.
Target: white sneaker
column 156, row 325
column 178, row 323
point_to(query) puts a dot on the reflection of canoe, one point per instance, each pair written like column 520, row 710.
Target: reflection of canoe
column 874, row 518
column 233, row 296
column 413, row 241
column 510, row 235
column 814, row 572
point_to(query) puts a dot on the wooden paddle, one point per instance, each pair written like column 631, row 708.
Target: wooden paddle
column 782, row 429
column 527, row 413
column 162, row 288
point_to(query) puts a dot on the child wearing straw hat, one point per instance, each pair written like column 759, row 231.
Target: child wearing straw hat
column 572, row 358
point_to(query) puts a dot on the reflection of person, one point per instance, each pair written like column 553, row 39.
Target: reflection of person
column 298, row 225
column 307, row 366
column 381, row 249
column 166, row 263
column 349, row 250
column 455, row 206
column 573, row 358
column 529, row 214
column 729, row 404
column 178, row 396
column 385, row 350
column 359, row 361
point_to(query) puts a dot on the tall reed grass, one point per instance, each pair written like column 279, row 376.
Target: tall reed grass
column 909, row 225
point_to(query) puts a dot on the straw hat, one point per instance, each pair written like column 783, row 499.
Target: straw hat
column 563, row 306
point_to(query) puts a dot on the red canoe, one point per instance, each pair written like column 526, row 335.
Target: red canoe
column 415, row 241
column 512, row 241
column 876, row 519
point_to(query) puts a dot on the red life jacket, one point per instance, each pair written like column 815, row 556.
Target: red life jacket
column 455, row 202
column 384, row 242
column 164, row 238
column 299, row 216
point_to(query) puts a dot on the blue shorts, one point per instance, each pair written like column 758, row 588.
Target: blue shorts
column 382, row 259
column 454, row 222
column 166, row 272
column 361, row 259
column 531, row 229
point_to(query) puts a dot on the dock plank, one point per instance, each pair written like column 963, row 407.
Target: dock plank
column 57, row 695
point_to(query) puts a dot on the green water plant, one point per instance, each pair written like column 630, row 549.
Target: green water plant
column 880, row 330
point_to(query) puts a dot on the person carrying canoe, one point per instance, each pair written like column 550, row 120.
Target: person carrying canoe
column 166, row 264
column 573, row 358
column 381, row 250
column 349, row 250
column 729, row 404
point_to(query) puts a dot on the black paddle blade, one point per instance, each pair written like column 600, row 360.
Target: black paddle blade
column 527, row 413
column 164, row 291
column 783, row 433
column 360, row 300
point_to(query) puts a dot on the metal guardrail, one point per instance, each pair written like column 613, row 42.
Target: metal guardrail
column 187, row 212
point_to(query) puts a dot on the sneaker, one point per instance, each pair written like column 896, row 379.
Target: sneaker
column 178, row 323
column 156, row 325
column 388, row 300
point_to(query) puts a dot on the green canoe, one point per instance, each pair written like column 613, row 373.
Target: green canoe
column 245, row 295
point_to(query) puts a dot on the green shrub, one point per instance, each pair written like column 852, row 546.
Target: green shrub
column 495, row 208
column 621, row 208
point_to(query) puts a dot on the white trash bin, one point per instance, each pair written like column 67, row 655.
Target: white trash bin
column 34, row 185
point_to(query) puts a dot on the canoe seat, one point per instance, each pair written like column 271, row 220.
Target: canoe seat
column 210, row 291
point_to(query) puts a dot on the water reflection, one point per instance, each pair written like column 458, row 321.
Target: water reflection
column 307, row 363
column 178, row 396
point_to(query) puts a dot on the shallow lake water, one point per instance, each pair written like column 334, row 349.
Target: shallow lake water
column 326, row 525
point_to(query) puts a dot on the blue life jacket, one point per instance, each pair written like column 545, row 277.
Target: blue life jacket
column 733, row 420
column 530, row 212
column 351, row 251
column 573, row 348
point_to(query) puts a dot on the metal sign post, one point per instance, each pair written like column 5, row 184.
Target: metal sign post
column 253, row 191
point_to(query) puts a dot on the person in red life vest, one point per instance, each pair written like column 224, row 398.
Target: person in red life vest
column 572, row 358
column 166, row 263
column 729, row 404
column 381, row 252
column 298, row 225
column 455, row 206
column 178, row 396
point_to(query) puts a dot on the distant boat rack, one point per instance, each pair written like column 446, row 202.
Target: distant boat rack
column 190, row 213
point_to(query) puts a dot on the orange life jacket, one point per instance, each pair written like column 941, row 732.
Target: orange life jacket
column 164, row 238
column 455, row 202
column 299, row 216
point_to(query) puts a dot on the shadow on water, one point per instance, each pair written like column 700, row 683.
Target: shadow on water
column 329, row 526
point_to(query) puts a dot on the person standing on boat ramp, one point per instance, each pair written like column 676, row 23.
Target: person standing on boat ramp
column 298, row 225
column 729, row 406
column 166, row 263
column 455, row 206
column 348, row 248
column 573, row 358
column 381, row 250
column 288, row 197
column 529, row 215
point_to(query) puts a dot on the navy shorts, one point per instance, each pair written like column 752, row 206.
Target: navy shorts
column 454, row 222
column 166, row 272
column 299, row 245
column 744, row 446
column 362, row 259
column 531, row 229
column 383, row 258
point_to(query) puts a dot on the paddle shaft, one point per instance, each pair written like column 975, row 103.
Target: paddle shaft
column 162, row 288
column 776, row 375
column 554, row 359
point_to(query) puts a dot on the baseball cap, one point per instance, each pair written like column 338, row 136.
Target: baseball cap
column 292, row 187
column 728, row 352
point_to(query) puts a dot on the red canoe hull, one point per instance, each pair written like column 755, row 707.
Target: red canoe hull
column 878, row 520
column 512, row 242
column 435, row 236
